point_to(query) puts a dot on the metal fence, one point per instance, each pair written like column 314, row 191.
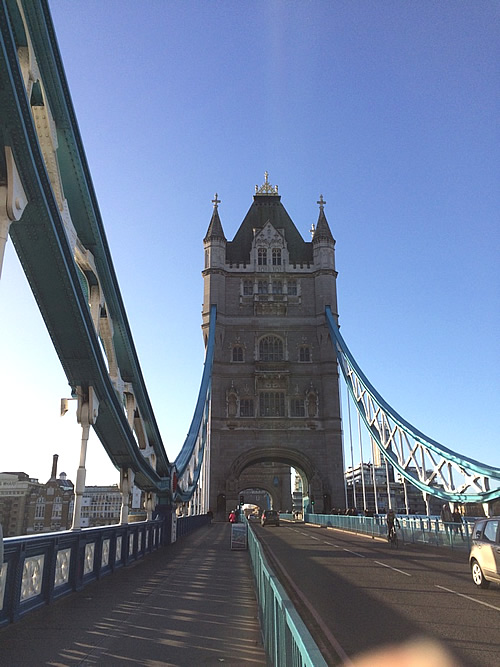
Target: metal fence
column 287, row 641
column 428, row 530
column 39, row 569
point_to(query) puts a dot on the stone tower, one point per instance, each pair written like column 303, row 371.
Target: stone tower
column 275, row 384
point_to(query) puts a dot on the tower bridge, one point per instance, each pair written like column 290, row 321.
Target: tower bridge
column 269, row 398
column 270, row 387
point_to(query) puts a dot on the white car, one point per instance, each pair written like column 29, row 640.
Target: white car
column 484, row 557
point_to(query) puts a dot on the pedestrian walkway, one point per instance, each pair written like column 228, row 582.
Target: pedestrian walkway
column 188, row 604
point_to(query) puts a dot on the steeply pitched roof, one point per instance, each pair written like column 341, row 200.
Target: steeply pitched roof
column 322, row 228
column 215, row 230
column 268, row 207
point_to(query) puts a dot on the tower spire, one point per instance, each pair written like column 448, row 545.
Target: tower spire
column 215, row 230
column 322, row 231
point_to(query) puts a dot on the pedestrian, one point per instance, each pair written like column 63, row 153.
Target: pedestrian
column 232, row 517
column 446, row 517
column 457, row 520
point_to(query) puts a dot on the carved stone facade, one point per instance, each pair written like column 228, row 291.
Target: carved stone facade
column 275, row 384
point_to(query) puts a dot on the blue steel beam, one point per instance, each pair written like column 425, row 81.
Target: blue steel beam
column 189, row 462
column 41, row 240
column 425, row 463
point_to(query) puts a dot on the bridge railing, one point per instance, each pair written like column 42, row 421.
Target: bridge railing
column 287, row 641
column 39, row 569
column 429, row 530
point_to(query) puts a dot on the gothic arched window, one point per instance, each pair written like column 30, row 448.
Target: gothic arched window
column 247, row 287
column 262, row 256
column 271, row 349
column 262, row 287
column 276, row 256
column 277, row 287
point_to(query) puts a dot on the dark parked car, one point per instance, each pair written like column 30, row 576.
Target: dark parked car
column 270, row 518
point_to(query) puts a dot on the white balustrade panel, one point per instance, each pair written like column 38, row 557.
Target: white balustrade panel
column 105, row 552
column 62, row 567
column 89, row 558
column 118, row 553
column 31, row 585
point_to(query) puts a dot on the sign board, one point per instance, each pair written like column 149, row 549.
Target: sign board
column 239, row 538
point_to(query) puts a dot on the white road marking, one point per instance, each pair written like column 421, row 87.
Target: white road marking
column 392, row 568
column 448, row 590
column 355, row 553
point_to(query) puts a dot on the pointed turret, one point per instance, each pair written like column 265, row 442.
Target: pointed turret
column 215, row 230
column 215, row 261
column 322, row 231
column 324, row 260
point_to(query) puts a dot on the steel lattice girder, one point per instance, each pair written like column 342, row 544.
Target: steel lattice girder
column 425, row 463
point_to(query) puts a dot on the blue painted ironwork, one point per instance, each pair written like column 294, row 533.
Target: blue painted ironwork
column 62, row 246
column 188, row 463
column 39, row 569
column 287, row 641
column 428, row 465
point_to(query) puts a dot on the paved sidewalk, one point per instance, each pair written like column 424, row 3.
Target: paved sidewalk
column 188, row 604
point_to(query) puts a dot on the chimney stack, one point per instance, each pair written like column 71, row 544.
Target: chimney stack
column 54, row 466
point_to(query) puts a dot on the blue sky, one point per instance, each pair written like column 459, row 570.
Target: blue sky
column 388, row 109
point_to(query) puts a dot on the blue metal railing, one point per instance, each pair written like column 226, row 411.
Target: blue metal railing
column 426, row 530
column 42, row 568
column 287, row 641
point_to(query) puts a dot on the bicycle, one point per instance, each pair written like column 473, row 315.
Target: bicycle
column 392, row 538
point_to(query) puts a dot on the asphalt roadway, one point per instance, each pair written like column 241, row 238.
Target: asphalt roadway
column 191, row 603
column 357, row 594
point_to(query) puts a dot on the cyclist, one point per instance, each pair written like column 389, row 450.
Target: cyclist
column 391, row 520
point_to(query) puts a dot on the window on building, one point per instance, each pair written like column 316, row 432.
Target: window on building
column 247, row 287
column 297, row 407
column 276, row 256
column 277, row 287
column 246, row 407
column 40, row 508
column 271, row 349
column 237, row 353
column 57, row 508
column 261, row 256
column 272, row 404
column 262, row 287
column 292, row 287
column 305, row 353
